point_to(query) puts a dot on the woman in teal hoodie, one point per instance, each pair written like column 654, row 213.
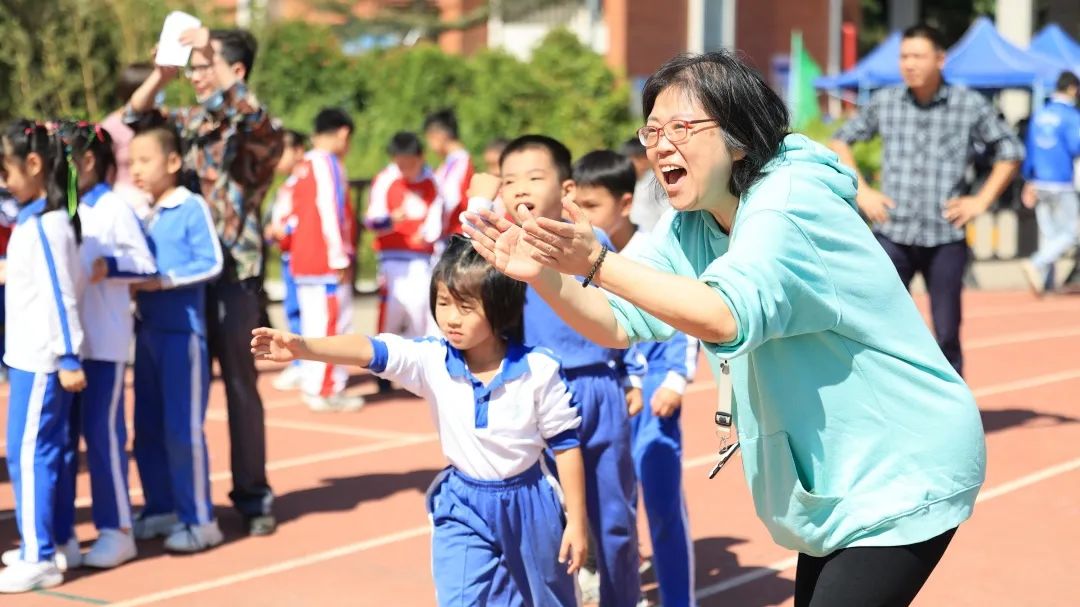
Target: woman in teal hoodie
column 862, row 446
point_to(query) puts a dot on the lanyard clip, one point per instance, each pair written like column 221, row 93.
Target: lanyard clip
column 725, row 454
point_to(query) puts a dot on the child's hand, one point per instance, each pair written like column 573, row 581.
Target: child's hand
column 665, row 402
column 99, row 271
column 276, row 346
column 635, row 401
column 575, row 546
column 1028, row 196
column 484, row 185
column 72, row 381
column 154, row 284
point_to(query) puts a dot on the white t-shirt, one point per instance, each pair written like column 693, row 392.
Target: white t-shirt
column 491, row 432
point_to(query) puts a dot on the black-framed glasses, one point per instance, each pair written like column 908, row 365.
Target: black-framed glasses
column 676, row 131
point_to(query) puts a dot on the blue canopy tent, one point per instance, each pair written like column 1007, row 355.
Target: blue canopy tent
column 983, row 59
column 880, row 67
column 1052, row 41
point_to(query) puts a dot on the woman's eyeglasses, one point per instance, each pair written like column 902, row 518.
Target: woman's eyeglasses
column 676, row 131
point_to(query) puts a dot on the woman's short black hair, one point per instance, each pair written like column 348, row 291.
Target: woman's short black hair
column 560, row 154
column 751, row 115
column 606, row 169
column 468, row 276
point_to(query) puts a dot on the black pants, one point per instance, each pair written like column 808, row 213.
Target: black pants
column 943, row 269
column 888, row 576
column 232, row 311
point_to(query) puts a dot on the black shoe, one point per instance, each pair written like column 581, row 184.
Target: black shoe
column 261, row 525
column 385, row 386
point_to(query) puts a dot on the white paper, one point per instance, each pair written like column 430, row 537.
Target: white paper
column 170, row 51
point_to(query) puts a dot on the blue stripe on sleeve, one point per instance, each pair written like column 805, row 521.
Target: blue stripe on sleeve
column 380, row 356
column 567, row 439
column 54, row 279
column 116, row 272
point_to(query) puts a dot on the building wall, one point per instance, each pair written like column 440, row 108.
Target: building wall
column 655, row 32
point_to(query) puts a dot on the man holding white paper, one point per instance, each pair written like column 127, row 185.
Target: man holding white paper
column 232, row 146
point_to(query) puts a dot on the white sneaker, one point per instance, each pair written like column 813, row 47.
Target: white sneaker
column 1036, row 279
column 289, row 379
column 154, row 525
column 21, row 576
column 340, row 403
column 113, row 547
column 194, row 538
column 10, row 557
column 589, row 583
column 68, row 556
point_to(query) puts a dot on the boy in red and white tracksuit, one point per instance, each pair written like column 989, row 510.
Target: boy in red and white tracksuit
column 321, row 245
column 402, row 195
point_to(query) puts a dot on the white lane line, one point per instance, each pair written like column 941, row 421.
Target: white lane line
column 221, row 416
column 1021, row 310
column 1019, row 338
column 281, row 567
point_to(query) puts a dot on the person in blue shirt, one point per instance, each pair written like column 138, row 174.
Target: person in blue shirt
column 1053, row 144
column 605, row 188
column 172, row 371
column 862, row 446
column 536, row 175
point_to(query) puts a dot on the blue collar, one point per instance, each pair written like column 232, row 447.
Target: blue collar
column 30, row 209
column 514, row 366
column 91, row 197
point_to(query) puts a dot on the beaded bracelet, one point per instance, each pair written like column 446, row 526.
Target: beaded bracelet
column 595, row 266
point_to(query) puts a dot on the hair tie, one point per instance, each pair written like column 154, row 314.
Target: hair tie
column 72, row 185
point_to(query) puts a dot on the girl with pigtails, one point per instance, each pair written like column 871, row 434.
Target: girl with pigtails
column 44, row 338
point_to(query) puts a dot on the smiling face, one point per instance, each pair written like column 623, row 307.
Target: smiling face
column 696, row 171
column 530, row 178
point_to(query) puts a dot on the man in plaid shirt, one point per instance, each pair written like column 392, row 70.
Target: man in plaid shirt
column 233, row 147
column 930, row 131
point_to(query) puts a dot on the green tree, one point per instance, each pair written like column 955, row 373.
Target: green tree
column 586, row 106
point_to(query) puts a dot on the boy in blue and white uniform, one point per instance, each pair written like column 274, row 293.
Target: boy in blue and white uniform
column 605, row 184
column 172, row 371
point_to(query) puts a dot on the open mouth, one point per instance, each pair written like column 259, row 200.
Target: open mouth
column 672, row 174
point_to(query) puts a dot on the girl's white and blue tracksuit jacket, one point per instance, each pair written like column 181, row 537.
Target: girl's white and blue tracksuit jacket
column 172, row 371
column 497, row 511
column 44, row 335
column 110, row 231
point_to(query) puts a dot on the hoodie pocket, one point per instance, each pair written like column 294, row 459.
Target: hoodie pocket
column 796, row 518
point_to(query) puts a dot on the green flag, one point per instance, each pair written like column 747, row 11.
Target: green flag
column 802, row 96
